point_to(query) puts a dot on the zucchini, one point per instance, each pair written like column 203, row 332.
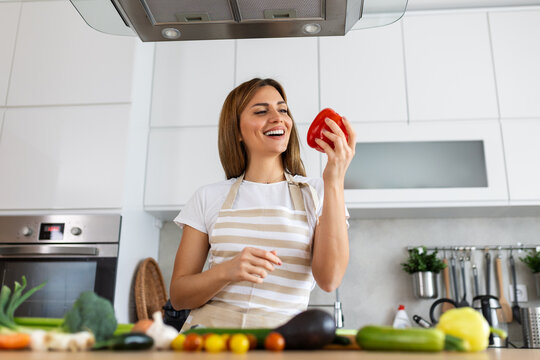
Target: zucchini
column 411, row 339
column 130, row 341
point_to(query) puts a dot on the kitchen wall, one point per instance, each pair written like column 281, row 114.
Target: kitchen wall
column 374, row 284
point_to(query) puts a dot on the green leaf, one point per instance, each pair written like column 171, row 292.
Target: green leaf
column 419, row 260
column 532, row 260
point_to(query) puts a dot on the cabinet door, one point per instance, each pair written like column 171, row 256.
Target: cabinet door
column 449, row 67
column 191, row 82
column 487, row 131
column 179, row 162
column 292, row 62
column 363, row 75
column 9, row 19
column 522, row 150
column 63, row 157
column 59, row 59
column 516, row 48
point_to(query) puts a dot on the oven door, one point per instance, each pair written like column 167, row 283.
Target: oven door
column 67, row 270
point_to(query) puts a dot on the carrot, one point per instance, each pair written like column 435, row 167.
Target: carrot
column 14, row 341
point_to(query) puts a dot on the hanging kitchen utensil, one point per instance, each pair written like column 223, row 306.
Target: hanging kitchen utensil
column 421, row 321
column 516, row 312
column 475, row 277
column 505, row 306
column 463, row 302
column 446, row 278
column 488, row 272
column 454, row 277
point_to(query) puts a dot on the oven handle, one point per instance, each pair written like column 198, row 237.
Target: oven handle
column 48, row 250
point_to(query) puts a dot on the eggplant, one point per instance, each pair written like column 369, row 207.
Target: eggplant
column 127, row 341
column 309, row 330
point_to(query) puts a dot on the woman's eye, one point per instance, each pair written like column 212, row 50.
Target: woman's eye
column 283, row 111
column 260, row 112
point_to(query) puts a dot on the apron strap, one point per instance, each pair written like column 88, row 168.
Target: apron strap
column 227, row 205
column 296, row 194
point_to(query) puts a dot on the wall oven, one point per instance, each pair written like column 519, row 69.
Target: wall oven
column 71, row 253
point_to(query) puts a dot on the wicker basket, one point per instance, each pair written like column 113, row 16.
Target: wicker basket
column 150, row 291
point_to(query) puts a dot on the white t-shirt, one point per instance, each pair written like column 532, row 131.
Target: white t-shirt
column 202, row 209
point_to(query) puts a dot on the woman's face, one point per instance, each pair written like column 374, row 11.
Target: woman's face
column 265, row 126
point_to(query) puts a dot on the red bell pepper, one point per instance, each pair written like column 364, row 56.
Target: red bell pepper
column 317, row 126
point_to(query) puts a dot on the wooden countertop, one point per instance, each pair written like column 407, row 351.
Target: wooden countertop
column 490, row 354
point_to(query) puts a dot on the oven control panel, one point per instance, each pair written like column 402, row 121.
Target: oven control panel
column 63, row 229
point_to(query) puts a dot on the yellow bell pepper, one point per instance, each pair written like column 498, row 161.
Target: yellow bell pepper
column 469, row 325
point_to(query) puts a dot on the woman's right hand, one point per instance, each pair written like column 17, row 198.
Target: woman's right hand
column 251, row 264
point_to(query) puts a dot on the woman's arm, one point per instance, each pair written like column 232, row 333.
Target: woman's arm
column 331, row 240
column 191, row 287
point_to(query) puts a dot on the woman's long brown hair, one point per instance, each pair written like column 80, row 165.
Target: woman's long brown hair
column 232, row 152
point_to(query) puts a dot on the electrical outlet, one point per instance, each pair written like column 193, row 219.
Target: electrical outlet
column 522, row 295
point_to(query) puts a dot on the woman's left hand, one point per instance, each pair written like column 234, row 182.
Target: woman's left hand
column 341, row 155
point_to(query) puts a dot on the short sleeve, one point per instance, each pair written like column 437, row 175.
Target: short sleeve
column 193, row 213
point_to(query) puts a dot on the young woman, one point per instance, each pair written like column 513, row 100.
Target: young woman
column 271, row 232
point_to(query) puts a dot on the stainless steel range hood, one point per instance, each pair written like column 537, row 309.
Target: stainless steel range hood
column 177, row 20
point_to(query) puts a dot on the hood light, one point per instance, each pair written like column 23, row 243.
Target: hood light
column 170, row 33
column 311, row 29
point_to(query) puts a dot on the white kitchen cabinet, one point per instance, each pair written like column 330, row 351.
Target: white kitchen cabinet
column 363, row 75
column 449, row 67
column 516, row 48
column 310, row 156
column 60, row 60
column 63, row 157
column 485, row 131
column 9, row 18
column 522, row 151
column 191, row 81
column 292, row 62
column 180, row 161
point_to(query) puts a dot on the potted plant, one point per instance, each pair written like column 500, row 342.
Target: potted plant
column 532, row 260
column 424, row 269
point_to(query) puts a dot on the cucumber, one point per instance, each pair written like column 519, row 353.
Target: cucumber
column 391, row 339
column 130, row 341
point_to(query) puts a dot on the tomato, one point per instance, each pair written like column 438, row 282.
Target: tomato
column 227, row 339
column 252, row 341
column 193, row 342
column 214, row 343
column 274, row 342
column 317, row 126
column 178, row 342
column 239, row 343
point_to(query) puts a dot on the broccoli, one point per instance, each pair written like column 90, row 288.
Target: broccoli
column 91, row 312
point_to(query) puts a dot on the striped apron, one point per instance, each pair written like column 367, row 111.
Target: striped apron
column 285, row 291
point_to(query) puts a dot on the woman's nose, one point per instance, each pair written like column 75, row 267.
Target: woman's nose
column 276, row 115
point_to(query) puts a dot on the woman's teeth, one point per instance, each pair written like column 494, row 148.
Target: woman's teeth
column 274, row 132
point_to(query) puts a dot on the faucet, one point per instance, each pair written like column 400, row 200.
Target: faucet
column 338, row 310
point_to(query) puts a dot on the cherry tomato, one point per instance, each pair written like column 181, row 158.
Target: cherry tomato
column 252, row 341
column 274, row 342
column 178, row 342
column 214, row 343
column 317, row 126
column 227, row 339
column 239, row 343
column 193, row 342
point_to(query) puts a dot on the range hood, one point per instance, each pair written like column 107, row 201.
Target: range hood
column 179, row 20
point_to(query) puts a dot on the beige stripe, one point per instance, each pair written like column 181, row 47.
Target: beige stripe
column 293, row 260
column 220, row 239
column 253, row 311
column 292, row 275
column 263, row 227
column 275, row 288
column 263, row 212
column 258, row 300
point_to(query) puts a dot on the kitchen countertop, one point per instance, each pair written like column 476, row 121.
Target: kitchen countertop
column 494, row 354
